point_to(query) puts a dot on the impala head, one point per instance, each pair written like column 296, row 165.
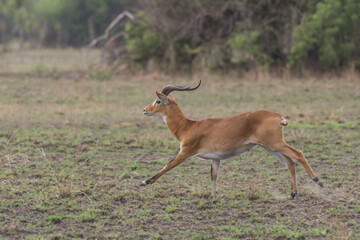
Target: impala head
column 165, row 101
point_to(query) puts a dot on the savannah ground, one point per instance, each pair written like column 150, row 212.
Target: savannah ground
column 74, row 149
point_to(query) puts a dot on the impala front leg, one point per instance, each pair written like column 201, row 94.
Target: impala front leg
column 182, row 156
column 214, row 172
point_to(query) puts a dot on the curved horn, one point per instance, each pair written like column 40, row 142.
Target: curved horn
column 169, row 88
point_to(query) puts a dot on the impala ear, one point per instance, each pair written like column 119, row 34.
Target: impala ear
column 170, row 96
column 163, row 98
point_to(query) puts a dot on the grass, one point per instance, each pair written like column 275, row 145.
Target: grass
column 73, row 152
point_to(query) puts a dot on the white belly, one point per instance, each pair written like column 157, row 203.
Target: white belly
column 223, row 155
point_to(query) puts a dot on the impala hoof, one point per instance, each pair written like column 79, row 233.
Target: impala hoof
column 292, row 195
column 144, row 183
column 316, row 179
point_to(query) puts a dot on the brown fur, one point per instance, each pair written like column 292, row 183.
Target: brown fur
column 223, row 135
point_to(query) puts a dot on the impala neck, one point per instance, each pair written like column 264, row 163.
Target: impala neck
column 177, row 122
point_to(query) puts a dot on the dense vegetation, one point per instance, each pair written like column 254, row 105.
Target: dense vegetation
column 57, row 22
column 206, row 34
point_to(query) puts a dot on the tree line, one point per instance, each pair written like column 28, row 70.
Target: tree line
column 57, row 23
column 318, row 35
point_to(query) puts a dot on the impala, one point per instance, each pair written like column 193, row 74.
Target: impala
column 220, row 138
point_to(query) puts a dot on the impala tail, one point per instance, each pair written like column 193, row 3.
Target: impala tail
column 284, row 122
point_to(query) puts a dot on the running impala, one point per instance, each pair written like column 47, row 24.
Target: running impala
column 220, row 138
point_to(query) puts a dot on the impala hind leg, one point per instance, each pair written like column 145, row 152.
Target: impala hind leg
column 298, row 155
column 292, row 171
column 214, row 172
column 290, row 164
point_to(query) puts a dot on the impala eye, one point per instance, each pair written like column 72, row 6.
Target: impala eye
column 158, row 101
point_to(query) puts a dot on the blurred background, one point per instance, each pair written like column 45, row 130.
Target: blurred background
column 273, row 36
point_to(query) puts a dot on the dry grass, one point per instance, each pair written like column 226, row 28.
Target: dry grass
column 74, row 150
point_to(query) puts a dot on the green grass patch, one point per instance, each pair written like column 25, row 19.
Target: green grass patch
column 73, row 152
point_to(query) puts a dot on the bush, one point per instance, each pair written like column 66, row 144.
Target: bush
column 329, row 36
column 142, row 41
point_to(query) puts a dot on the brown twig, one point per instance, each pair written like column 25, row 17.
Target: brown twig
column 107, row 35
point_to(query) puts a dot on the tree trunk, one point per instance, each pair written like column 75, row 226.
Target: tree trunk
column 21, row 38
column 171, row 55
column 91, row 28
column 44, row 32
